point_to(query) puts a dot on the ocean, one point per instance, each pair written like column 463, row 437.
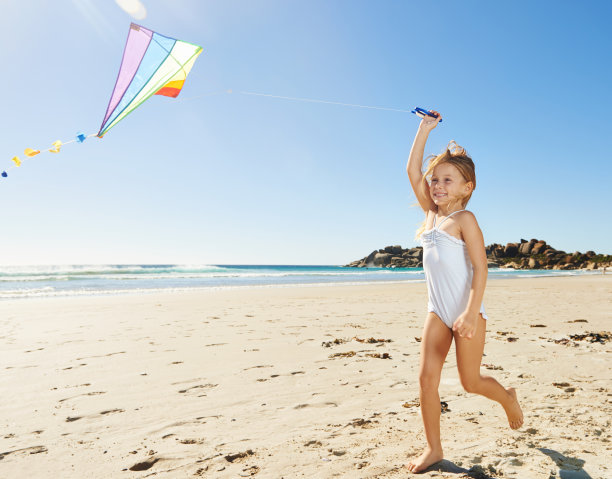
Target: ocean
column 75, row 280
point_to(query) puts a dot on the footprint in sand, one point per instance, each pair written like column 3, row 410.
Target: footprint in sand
column 239, row 457
column 186, row 381
column 363, row 423
column 74, row 367
column 277, row 375
column 112, row 411
column 25, row 450
column 144, row 465
column 493, row 367
column 324, row 404
column 93, row 393
column 192, row 441
column 100, row 355
column 259, row 366
column 92, row 416
column 197, row 390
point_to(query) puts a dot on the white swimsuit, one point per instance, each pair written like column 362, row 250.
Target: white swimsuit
column 448, row 271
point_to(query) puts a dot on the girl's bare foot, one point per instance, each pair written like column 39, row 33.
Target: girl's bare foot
column 513, row 410
column 430, row 456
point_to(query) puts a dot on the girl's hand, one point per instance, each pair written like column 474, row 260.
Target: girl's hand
column 466, row 324
column 429, row 122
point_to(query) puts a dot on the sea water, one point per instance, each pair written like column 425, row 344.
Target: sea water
column 72, row 280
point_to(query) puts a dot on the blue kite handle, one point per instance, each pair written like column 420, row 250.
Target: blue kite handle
column 422, row 111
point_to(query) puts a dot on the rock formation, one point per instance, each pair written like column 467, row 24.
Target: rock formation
column 532, row 254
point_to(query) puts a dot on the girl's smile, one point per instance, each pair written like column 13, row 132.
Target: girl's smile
column 447, row 184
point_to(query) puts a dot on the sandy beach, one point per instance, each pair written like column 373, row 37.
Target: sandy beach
column 281, row 382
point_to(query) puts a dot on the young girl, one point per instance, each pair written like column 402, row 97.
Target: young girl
column 455, row 265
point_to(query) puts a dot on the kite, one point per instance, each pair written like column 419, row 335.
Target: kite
column 152, row 64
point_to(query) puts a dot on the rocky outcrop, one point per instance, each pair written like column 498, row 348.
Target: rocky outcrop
column 391, row 257
column 537, row 254
column 532, row 254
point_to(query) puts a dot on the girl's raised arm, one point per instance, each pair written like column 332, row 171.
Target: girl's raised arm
column 415, row 162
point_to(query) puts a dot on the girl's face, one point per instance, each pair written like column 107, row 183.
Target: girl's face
column 447, row 185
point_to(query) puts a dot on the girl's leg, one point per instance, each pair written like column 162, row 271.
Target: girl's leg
column 437, row 338
column 469, row 355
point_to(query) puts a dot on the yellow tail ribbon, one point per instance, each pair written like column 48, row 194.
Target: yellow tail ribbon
column 55, row 147
column 29, row 152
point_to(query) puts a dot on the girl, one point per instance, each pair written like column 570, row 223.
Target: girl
column 455, row 265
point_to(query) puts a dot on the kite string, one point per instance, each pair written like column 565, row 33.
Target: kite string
column 314, row 100
column 308, row 100
column 292, row 98
column 266, row 95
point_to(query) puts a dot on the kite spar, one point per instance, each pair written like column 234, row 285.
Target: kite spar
column 152, row 64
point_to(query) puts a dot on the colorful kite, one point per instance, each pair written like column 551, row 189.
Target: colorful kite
column 152, row 64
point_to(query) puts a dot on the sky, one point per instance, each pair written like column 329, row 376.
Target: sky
column 228, row 178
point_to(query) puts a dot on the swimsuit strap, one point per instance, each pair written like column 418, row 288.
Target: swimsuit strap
column 445, row 218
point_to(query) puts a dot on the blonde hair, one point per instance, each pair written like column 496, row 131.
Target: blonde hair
column 458, row 157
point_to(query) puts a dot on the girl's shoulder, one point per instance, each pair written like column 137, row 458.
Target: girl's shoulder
column 466, row 216
column 467, row 220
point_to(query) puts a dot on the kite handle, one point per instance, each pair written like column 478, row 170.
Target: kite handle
column 422, row 112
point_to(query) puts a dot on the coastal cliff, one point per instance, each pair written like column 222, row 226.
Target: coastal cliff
column 532, row 254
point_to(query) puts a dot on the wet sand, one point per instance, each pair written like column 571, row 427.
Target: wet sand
column 285, row 382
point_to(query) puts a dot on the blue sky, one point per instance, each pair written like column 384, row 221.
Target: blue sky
column 233, row 178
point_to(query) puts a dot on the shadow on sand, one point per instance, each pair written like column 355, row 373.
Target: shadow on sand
column 569, row 467
column 474, row 472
